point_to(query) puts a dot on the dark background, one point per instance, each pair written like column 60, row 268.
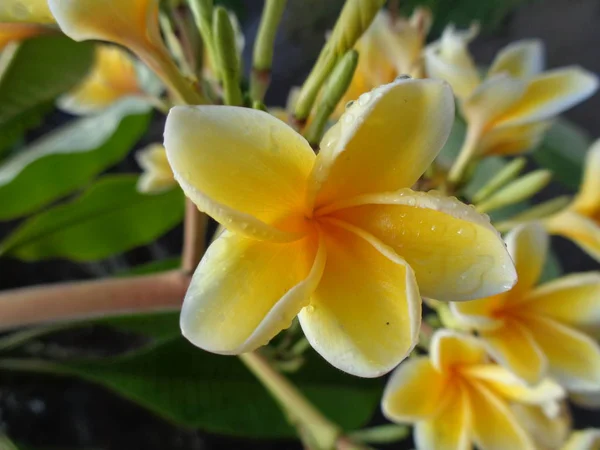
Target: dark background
column 66, row 413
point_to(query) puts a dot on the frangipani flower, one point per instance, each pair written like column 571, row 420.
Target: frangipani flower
column 34, row 11
column 456, row 397
column 390, row 47
column 15, row 32
column 580, row 221
column 539, row 331
column 157, row 175
column 583, row 440
column 548, row 425
column 112, row 78
column 333, row 238
column 507, row 112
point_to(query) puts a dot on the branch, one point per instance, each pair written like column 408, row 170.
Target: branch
column 194, row 238
column 85, row 299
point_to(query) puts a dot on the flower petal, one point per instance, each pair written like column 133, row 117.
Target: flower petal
column 479, row 314
column 573, row 357
column 513, row 346
column 549, row 429
column 25, row 11
column 573, row 300
column 550, row 94
column 513, row 140
column 587, row 201
column 578, row 228
column 157, row 175
column 246, row 291
column 588, row 439
column 455, row 252
column 521, row 59
column 14, row 32
column 364, row 317
column 528, row 246
column 244, row 167
column 494, row 425
column 507, row 385
column 384, row 141
column 415, row 391
column 451, row 428
column 449, row 59
column 450, row 349
column 112, row 78
column 586, row 399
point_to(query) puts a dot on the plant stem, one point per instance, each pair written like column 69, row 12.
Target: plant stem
column 194, row 237
column 86, row 299
column 310, row 422
column 457, row 172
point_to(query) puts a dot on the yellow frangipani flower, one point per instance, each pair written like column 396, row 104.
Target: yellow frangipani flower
column 34, row 11
column 539, row 331
column 580, row 221
column 112, row 78
column 549, row 425
column 157, row 175
column 508, row 111
column 456, row 397
column 583, row 440
column 15, row 32
column 337, row 239
column 390, row 47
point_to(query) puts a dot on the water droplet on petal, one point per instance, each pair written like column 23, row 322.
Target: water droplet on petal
column 349, row 104
column 310, row 309
column 403, row 77
column 364, row 99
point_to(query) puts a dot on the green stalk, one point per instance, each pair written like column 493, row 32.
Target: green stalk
column 227, row 58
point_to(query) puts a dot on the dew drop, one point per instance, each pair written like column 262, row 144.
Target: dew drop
column 364, row 99
column 349, row 104
column 310, row 309
column 348, row 119
column 403, row 77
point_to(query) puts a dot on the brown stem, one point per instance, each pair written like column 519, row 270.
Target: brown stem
column 194, row 237
column 84, row 299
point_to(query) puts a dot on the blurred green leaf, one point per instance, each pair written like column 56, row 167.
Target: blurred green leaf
column 563, row 151
column 38, row 70
column 68, row 158
column 7, row 444
column 153, row 267
column 159, row 326
column 14, row 129
column 217, row 393
column 109, row 218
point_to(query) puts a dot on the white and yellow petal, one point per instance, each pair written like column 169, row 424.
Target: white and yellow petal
column 34, row 11
column 246, row 291
column 383, row 142
column 365, row 315
column 455, row 252
column 587, row 201
column 521, row 59
column 548, row 428
column 582, row 230
column 451, row 350
column 157, row 175
column 513, row 140
column 415, row 391
column 245, row 168
column 550, row 94
column 112, row 78
column 588, row 439
column 16, row 32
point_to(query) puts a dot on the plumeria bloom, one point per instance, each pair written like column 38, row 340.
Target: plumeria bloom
column 34, row 11
column 548, row 425
column 337, row 239
column 16, row 32
column 390, row 47
column 508, row 111
column 157, row 175
column 536, row 331
column 112, row 78
column 580, row 221
column 583, row 440
column 456, row 397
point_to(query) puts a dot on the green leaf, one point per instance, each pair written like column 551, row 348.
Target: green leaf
column 13, row 130
column 153, row 267
column 7, row 444
column 563, row 151
column 194, row 388
column 38, row 70
column 68, row 158
column 109, row 218
column 159, row 326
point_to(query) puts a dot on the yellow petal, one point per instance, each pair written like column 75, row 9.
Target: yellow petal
column 583, row 440
column 415, row 391
column 491, row 99
column 528, row 245
column 494, row 425
column 157, row 175
column 455, row 252
column 479, row 314
column 513, row 140
column 513, row 346
column 246, row 291
column 132, row 23
column 450, row 350
column 384, row 141
column 15, row 32
column 587, row 201
column 573, row 357
column 112, row 77
column 582, row 230
column 548, row 429
column 507, row 385
column 25, row 11
column 450, row 429
column 573, row 300
column 244, row 167
column 364, row 317
column 521, row 59
column 550, row 94
column 449, row 59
